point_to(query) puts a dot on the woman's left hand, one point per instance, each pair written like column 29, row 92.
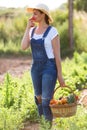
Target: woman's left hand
column 61, row 81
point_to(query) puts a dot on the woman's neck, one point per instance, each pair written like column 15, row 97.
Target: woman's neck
column 42, row 25
column 41, row 28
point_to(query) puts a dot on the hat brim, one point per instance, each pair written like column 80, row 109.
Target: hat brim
column 30, row 10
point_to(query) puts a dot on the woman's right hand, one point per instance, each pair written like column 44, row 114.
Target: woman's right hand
column 26, row 40
column 30, row 23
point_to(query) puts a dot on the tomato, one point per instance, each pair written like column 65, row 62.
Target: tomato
column 53, row 101
column 77, row 98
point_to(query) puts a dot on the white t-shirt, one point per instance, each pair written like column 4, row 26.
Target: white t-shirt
column 48, row 44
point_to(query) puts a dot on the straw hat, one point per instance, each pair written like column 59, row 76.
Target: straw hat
column 43, row 8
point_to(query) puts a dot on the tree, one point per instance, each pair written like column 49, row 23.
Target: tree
column 70, row 4
column 80, row 5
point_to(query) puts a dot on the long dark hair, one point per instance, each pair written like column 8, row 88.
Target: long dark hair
column 46, row 17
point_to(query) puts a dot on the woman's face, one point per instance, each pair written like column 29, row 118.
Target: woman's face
column 39, row 16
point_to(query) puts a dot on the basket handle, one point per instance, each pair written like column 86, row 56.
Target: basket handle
column 63, row 88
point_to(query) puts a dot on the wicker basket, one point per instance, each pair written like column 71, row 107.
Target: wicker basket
column 64, row 110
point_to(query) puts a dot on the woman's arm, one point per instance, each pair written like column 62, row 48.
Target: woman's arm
column 56, row 50
column 26, row 38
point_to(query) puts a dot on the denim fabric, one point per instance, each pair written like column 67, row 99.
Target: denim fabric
column 38, row 50
column 44, row 75
column 37, row 47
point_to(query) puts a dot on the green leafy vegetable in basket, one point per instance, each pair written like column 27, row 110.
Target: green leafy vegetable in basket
column 71, row 98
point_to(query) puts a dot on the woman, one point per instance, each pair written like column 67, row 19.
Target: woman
column 46, row 67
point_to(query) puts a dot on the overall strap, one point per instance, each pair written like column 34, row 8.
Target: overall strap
column 33, row 32
column 45, row 34
column 47, row 31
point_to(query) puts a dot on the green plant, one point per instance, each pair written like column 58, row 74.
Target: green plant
column 77, row 122
column 17, row 98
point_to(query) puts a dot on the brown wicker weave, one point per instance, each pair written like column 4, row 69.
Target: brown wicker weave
column 64, row 110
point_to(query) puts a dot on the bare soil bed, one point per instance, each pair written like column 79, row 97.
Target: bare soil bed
column 16, row 66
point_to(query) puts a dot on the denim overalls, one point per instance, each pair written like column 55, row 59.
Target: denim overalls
column 44, row 75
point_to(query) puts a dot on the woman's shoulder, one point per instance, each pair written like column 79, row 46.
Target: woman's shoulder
column 53, row 30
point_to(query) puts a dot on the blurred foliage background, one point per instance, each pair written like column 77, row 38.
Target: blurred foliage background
column 13, row 22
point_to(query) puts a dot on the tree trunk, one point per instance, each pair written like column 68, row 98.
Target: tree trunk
column 70, row 3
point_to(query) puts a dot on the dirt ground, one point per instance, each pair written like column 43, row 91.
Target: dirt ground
column 16, row 66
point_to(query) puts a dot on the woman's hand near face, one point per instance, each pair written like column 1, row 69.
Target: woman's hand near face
column 26, row 39
column 31, row 22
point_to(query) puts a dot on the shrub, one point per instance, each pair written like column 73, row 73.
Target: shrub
column 3, row 33
column 80, row 40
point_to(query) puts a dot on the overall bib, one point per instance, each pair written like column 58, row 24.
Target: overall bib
column 44, row 75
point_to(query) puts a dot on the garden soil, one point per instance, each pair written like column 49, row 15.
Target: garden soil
column 16, row 66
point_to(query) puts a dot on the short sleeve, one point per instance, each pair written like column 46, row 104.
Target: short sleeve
column 30, row 31
column 53, row 33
